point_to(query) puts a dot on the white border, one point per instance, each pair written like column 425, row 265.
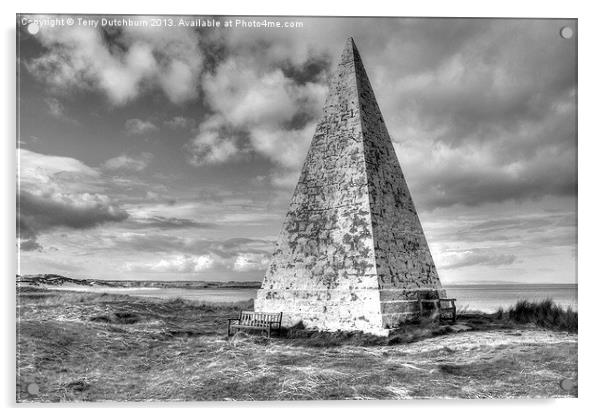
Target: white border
column 590, row 159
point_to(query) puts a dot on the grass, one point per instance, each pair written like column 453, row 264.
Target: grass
column 92, row 347
column 545, row 314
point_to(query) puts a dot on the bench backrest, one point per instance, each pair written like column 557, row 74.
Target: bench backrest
column 448, row 303
column 250, row 317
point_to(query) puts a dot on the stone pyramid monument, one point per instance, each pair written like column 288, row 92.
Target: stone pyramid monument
column 351, row 254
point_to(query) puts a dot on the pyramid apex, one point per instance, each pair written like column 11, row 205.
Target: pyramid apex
column 350, row 52
column 350, row 45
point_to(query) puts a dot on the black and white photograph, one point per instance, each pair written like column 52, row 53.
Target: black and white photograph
column 275, row 208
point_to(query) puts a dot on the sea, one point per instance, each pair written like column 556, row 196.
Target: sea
column 474, row 297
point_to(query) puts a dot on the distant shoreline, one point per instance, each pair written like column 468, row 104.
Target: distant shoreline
column 58, row 280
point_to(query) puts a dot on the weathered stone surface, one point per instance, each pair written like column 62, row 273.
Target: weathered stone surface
column 352, row 254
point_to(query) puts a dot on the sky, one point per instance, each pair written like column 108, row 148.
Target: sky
column 171, row 152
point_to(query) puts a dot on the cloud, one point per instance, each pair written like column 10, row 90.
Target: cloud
column 54, row 192
column 179, row 254
column 135, row 126
column 210, row 146
column 29, row 244
column 175, row 244
column 174, row 264
column 40, row 168
column 147, row 59
column 55, row 108
column 195, row 264
column 256, row 109
column 169, row 223
column 492, row 117
column 475, row 257
column 125, row 162
column 44, row 211
column 179, row 122
column 250, row 262
column 468, row 95
column 475, row 174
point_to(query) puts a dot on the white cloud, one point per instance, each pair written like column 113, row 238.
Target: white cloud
column 250, row 262
column 256, row 110
column 135, row 126
column 39, row 170
column 251, row 97
column 474, row 257
column 178, row 263
column 182, row 263
column 152, row 196
column 55, row 108
column 149, row 58
column 188, row 255
column 179, row 122
column 210, row 146
column 125, row 162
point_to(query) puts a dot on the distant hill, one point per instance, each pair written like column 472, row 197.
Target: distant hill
column 58, row 280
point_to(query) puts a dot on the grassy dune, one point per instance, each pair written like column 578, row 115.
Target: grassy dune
column 98, row 347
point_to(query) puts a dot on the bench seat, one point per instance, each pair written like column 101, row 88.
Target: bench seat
column 444, row 307
column 264, row 321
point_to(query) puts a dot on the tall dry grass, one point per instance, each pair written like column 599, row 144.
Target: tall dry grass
column 545, row 314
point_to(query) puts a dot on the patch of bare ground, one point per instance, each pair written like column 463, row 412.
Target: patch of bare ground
column 93, row 347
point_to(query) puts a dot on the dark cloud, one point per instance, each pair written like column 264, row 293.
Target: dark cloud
column 495, row 114
column 40, row 213
column 234, row 246
column 234, row 243
column 121, row 64
column 477, row 182
column 169, row 223
column 30, row 245
column 539, row 231
column 315, row 69
column 525, row 224
column 160, row 243
column 165, row 243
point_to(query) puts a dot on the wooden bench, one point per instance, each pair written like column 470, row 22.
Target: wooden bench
column 447, row 309
column 264, row 321
column 444, row 307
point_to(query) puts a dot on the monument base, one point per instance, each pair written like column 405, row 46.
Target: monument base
column 372, row 311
